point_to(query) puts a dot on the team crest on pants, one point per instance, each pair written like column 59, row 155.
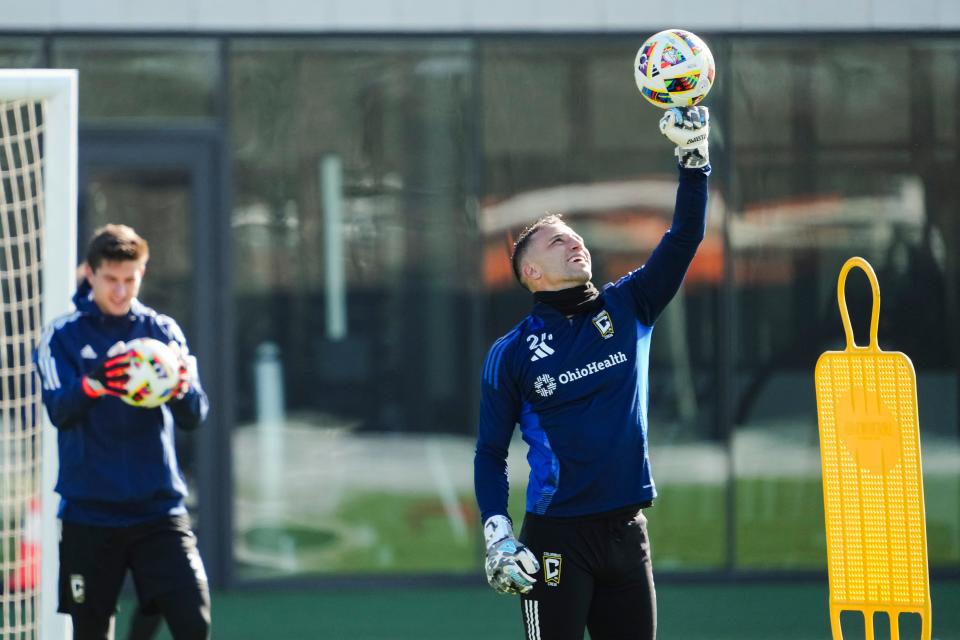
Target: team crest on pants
column 77, row 588
column 551, row 568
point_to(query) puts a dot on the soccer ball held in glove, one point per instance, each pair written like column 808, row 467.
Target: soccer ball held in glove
column 154, row 372
column 674, row 68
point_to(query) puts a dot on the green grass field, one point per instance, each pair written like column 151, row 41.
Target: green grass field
column 778, row 525
column 706, row 611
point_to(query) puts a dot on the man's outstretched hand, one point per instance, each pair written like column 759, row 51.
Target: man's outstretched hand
column 689, row 129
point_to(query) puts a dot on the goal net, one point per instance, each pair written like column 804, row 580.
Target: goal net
column 38, row 133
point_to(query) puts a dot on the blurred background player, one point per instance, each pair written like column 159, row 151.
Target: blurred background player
column 574, row 375
column 143, row 625
column 122, row 492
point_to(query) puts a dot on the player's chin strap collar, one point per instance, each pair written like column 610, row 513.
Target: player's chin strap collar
column 582, row 299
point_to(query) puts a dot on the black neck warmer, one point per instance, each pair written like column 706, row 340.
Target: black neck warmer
column 571, row 301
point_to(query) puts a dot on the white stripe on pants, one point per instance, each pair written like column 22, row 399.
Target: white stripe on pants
column 531, row 614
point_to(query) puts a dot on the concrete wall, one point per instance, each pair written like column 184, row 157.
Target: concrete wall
column 477, row 15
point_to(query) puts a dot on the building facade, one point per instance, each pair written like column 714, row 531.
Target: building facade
column 331, row 191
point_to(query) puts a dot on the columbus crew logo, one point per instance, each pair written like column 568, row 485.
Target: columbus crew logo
column 552, row 563
column 545, row 385
column 604, row 324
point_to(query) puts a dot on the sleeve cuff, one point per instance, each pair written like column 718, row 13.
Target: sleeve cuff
column 704, row 171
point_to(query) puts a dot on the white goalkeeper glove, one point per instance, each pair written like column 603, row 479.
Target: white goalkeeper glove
column 689, row 129
column 509, row 564
column 187, row 372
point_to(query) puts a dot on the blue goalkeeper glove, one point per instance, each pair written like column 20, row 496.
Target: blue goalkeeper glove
column 689, row 129
column 510, row 565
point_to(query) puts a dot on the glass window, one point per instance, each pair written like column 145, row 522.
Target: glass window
column 532, row 114
column 940, row 77
column 143, row 79
column 158, row 204
column 21, row 53
column 355, row 249
column 862, row 92
column 848, row 165
column 378, row 183
column 594, row 153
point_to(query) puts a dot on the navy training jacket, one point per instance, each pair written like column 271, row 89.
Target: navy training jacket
column 118, row 463
column 578, row 386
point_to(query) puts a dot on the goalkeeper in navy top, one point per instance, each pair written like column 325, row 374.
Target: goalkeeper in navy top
column 121, row 489
column 573, row 376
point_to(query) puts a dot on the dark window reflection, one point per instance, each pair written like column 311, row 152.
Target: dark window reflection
column 356, row 252
column 21, row 53
column 838, row 159
column 142, row 80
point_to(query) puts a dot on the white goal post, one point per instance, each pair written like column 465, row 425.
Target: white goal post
column 38, row 210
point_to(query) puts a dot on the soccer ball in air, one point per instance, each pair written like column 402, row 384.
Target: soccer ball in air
column 674, row 68
column 154, row 372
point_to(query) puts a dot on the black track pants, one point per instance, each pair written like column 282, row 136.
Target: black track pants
column 595, row 574
column 167, row 572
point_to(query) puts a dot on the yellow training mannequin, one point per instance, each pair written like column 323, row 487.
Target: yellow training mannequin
column 872, row 478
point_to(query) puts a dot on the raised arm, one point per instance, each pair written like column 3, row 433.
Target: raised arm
column 654, row 284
